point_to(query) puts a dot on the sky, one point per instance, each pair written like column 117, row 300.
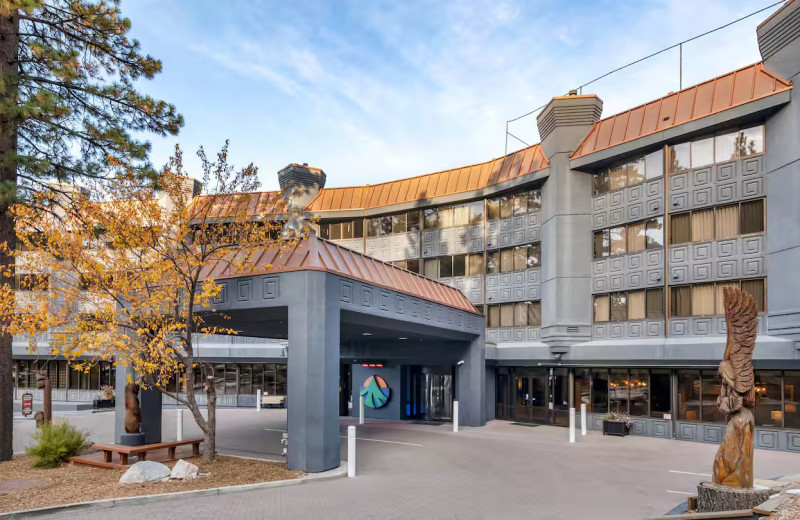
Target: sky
column 372, row 90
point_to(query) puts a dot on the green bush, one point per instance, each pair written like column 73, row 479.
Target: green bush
column 56, row 443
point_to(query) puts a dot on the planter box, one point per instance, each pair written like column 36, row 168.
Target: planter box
column 104, row 403
column 615, row 428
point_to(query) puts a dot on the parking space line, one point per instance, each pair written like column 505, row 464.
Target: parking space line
column 679, row 492
column 381, row 440
column 690, row 473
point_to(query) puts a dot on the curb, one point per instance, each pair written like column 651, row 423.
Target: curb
column 109, row 503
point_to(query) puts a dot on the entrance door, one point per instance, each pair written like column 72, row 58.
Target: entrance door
column 559, row 396
column 530, row 395
column 438, row 393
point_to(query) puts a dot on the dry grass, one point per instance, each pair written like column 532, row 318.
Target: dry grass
column 76, row 483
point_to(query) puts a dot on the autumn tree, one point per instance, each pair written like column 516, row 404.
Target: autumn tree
column 130, row 271
column 67, row 104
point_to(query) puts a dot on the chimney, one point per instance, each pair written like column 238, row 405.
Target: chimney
column 566, row 120
column 779, row 40
column 300, row 183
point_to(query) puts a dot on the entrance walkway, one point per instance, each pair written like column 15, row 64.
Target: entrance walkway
column 502, row 470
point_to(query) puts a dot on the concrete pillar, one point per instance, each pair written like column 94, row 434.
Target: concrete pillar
column 313, row 373
column 471, row 384
column 566, row 223
column 779, row 43
column 150, row 401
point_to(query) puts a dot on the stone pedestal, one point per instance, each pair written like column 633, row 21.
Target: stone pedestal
column 714, row 498
column 132, row 439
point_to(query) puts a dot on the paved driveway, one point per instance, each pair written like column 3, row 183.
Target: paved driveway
column 500, row 471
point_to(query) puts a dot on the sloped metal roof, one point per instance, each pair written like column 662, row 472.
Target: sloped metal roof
column 716, row 95
column 316, row 254
column 457, row 180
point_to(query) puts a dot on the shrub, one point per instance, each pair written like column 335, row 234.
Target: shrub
column 56, row 443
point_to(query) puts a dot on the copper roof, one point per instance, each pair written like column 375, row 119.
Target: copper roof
column 258, row 204
column 316, row 254
column 727, row 91
column 447, row 182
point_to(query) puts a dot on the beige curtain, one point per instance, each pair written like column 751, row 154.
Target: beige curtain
column 506, row 260
column 703, row 300
column 520, row 258
column 727, row 222
column 507, row 315
column 756, row 288
column 655, row 303
column 446, row 217
column 520, row 314
column 720, row 297
column 534, row 314
column 601, row 308
column 494, row 316
column 681, row 301
column 635, row 171
column 636, row 305
column 617, row 177
column 461, row 215
column 679, row 229
column 618, row 241
column 475, row 264
column 703, row 226
column 636, row 237
column 752, row 217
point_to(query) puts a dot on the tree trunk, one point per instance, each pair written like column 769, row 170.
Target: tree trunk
column 211, row 425
column 9, row 50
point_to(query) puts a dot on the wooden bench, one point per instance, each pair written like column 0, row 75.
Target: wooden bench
column 269, row 401
column 141, row 451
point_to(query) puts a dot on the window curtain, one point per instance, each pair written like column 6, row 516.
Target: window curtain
column 506, row 260
column 703, row 300
column 635, row 171
column 752, row 217
column 703, row 226
column 618, row 241
column 636, row 237
column 520, row 258
column 617, row 177
column 475, row 264
column 601, row 308
column 727, row 222
column 446, row 217
column 720, row 297
column 494, row 316
column 461, row 215
column 681, row 301
column 520, row 314
column 431, row 268
column 756, row 288
column 534, row 314
column 507, row 315
column 655, row 303
column 636, row 305
column 680, row 229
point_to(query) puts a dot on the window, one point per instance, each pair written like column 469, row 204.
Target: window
column 493, row 262
column 476, row 212
column 535, row 255
column 689, row 395
column 601, row 183
column 635, row 172
column 681, row 301
column 324, row 231
column 618, row 390
column 654, row 164
column 702, row 152
column 336, row 231
column 493, row 316
column 534, row 200
column 639, row 392
column 636, row 305
column 475, row 264
column 493, row 209
column 347, row 229
column 617, row 237
column 507, row 315
column 431, row 218
column 515, row 258
column 703, row 300
column 617, row 176
column 520, row 204
column 373, row 227
column 413, row 265
column 756, row 288
column 34, row 282
column 412, row 218
column 721, row 296
column 654, row 304
column 602, row 244
column 599, row 390
column 703, row 225
column 431, row 268
column 520, row 314
column 768, row 408
column 534, row 313
column 636, row 237
column 445, row 266
column 506, row 260
column 358, row 228
column 743, row 143
column 461, row 215
column 679, row 158
column 791, row 399
column 506, row 206
column 459, row 265
column 386, row 225
column 680, row 228
column 709, row 391
column 601, row 308
column 751, row 217
column 520, row 258
column 660, row 393
column 399, row 223
column 619, row 306
column 654, row 233
column 727, row 221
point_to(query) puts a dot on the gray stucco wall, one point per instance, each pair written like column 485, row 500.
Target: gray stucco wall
column 392, row 410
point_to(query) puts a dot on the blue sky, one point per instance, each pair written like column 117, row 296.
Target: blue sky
column 372, row 91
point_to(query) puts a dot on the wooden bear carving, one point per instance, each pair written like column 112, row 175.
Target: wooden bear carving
column 133, row 412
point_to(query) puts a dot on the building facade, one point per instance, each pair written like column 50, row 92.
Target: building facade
column 599, row 255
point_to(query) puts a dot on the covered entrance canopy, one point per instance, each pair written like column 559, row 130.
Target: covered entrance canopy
column 331, row 302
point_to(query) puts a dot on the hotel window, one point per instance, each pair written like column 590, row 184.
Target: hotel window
column 492, row 209
column 709, row 391
column 660, row 393
column 654, row 231
column 476, row 212
column 430, row 218
column 654, row 304
column 399, row 223
column 506, row 206
column 634, row 172
column 703, row 300
column 632, row 305
column 519, row 314
column 601, row 308
column 445, row 266
column 475, row 264
column 707, row 299
column 34, row 282
column 515, row 258
column 410, row 265
column 534, row 200
column 412, row 218
column 518, row 204
column 599, row 390
column 681, row 301
column 722, row 147
column 617, row 239
column 791, row 399
column 636, row 236
column 636, row 305
column 718, row 223
column 459, row 265
column 431, row 268
column 768, row 408
column 689, row 395
column 654, row 164
column 461, row 215
column 618, row 390
column 619, row 306
column 455, row 265
column 639, row 392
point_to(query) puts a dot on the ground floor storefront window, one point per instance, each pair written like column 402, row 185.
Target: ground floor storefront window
column 237, row 378
column 62, row 376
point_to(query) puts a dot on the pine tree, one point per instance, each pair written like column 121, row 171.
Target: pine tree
column 68, row 105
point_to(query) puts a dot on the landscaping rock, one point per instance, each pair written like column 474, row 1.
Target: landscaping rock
column 145, row 471
column 184, row 470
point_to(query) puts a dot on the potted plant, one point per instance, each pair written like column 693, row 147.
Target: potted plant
column 106, row 399
column 616, row 423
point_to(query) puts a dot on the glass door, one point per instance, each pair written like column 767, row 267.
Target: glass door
column 559, row 396
column 530, row 395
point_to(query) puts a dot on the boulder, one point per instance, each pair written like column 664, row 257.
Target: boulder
column 145, row 471
column 184, row 470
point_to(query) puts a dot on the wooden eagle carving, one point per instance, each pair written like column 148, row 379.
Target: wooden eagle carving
column 733, row 465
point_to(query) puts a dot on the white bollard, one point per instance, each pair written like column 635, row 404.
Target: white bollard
column 455, row 416
column 583, row 419
column 572, row 425
column 351, row 451
column 360, row 409
column 258, row 400
column 179, row 422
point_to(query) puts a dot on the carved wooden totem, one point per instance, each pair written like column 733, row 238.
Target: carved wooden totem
column 133, row 412
column 733, row 465
column 43, row 383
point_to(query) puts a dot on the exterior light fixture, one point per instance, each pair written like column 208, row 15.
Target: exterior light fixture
column 366, row 334
column 402, row 338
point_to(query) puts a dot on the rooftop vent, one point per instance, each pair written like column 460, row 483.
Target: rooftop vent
column 573, row 92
